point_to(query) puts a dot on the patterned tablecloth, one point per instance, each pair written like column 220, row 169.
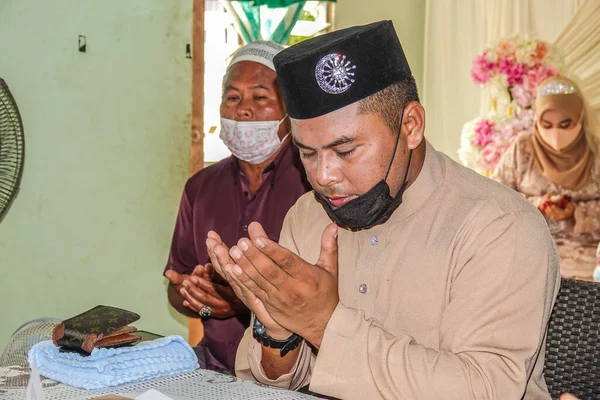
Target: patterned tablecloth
column 198, row 385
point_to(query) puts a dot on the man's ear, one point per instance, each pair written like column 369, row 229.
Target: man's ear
column 413, row 124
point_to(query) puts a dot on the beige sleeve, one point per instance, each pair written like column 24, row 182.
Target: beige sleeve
column 248, row 365
column 249, row 354
column 493, row 327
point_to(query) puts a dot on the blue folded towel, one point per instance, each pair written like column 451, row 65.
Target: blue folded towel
column 111, row 367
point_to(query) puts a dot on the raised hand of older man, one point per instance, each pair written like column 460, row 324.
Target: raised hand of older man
column 202, row 288
column 298, row 295
column 208, row 289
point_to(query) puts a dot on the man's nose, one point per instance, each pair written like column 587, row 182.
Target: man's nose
column 327, row 173
column 244, row 110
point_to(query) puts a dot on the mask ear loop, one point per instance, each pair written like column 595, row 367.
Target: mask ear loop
column 279, row 124
column 403, row 187
column 282, row 119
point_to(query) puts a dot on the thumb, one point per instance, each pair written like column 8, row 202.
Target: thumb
column 174, row 277
column 328, row 259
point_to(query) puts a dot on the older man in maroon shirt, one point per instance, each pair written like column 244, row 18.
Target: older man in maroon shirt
column 259, row 182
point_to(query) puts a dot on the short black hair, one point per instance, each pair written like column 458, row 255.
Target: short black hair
column 389, row 102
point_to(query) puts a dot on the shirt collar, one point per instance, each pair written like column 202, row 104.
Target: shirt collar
column 430, row 178
column 279, row 165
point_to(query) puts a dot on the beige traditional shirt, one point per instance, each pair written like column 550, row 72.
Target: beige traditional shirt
column 449, row 299
column 578, row 238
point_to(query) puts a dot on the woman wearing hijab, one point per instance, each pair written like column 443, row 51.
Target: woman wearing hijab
column 556, row 167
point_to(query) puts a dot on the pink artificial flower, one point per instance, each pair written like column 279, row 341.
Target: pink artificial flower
column 484, row 131
column 490, row 156
column 522, row 95
column 506, row 48
column 522, row 123
column 540, row 51
column 505, row 65
column 536, row 75
column 482, row 69
column 513, row 71
column 515, row 74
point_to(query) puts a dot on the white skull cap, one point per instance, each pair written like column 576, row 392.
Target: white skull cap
column 260, row 51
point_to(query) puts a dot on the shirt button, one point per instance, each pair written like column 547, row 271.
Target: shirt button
column 362, row 288
column 245, row 228
column 374, row 240
column 246, row 193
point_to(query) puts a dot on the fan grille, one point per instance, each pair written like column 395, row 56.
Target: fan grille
column 12, row 146
column 17, row 349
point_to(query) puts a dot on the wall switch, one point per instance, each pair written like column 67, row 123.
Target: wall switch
column 82, row 43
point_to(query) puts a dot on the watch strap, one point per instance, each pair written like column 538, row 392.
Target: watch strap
column 285, row 346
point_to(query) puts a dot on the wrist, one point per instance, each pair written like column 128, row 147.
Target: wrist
column 283, row 341
column 279, row 334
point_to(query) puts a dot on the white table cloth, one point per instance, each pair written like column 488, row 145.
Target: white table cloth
column 197, row 385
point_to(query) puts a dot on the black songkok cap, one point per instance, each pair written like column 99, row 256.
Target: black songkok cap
column 331, row 71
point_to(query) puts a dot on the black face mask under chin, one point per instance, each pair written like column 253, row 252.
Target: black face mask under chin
column 370, row 209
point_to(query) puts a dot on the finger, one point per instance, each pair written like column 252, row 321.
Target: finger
column 212, row 239
column 242, row 292
column 282, row 257
column 255, row 266
column 219, row 291
column 254, row 303
column 246, row 295
column 219, row 254
column 237, row 276
column 209, row 272
column 174, row 277
column 210, row 245
column 255, row 230
column 187, row 305
column 328, row 259
column 259, row 266
column 189, row 301
column 198, row 271
column 206, row 286
column 199, row 297
column 214, row 235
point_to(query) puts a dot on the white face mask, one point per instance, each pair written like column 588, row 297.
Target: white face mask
column 251, row 141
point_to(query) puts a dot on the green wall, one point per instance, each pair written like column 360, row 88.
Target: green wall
column 408, row 17
column 107, row 149
column 107, row 152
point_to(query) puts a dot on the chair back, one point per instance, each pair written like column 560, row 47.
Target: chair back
column 572, row 348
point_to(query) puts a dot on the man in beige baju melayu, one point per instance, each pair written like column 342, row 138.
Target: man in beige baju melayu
column 403, row 275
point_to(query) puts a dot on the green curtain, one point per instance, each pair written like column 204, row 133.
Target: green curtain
column 284, row 28
column 274, row 3
column 249, row 21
